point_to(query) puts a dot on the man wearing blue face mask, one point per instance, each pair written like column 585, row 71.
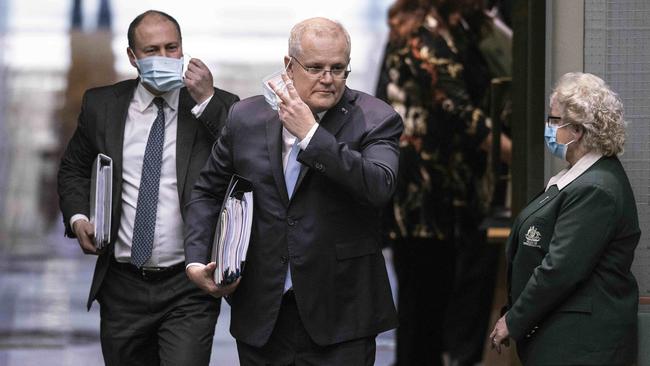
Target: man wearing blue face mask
column 158, row 130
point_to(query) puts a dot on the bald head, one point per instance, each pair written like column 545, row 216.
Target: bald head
column 151, row 16
column 319, row 28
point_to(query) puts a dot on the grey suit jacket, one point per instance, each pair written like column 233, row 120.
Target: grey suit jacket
column 101, row 130
column 573, row 299
column 328, row 232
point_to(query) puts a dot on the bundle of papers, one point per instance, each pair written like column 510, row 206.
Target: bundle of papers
column 233, row 231
column 101, row 197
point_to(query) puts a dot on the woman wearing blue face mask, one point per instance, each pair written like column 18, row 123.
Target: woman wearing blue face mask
column 572, row 299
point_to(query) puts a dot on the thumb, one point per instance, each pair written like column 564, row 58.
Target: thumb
column 210, row 267
column 90, row 231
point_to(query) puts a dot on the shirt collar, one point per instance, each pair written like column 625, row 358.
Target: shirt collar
column 568, row 175
column 143, row 98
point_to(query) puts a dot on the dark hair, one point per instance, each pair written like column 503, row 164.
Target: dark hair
column 134, row 24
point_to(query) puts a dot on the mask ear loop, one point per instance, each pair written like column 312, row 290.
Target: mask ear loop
column 573, row 128
column 287, row 68
column 186, row 63
column 288, row 63
column 135, row 58
column 132, row 53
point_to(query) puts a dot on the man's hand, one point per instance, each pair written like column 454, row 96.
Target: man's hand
column 202, row 276
column 500, row 335
column 295, row 115
column 85, row 233
column 198, row 80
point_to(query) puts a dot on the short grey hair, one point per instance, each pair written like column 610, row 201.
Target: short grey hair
column 321, row 27
column 586, row 100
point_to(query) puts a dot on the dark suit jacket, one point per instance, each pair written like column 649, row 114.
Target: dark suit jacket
column 329, row 231
column 101, row 130
column 573, row 298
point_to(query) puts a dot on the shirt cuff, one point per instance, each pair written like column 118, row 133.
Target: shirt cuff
column 194, row 264
column 198, row 109
column 305, row 142
column 76, row 217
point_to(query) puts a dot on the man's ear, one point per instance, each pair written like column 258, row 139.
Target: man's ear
column 578, row 131
column 287, row 66
column 132, row 59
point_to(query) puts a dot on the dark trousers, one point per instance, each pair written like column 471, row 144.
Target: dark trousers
column 468, row 315
column 290, row 344
column 168, row 321
column 425, row 270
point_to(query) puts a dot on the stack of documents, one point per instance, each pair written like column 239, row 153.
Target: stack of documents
column 101, row 197
column 233, row 231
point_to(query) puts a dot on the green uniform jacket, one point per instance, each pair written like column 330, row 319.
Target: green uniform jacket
column 572, row 297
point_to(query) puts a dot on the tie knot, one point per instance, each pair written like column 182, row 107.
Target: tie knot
column 159, row 102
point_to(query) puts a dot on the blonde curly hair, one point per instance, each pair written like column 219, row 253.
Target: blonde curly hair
column 586, row 100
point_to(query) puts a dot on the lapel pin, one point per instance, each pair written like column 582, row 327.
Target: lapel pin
column 345, row 111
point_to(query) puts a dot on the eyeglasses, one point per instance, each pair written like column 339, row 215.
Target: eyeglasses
column 553, row 120
column 337, row 72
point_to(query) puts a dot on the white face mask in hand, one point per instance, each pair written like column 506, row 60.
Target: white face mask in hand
column 161, row 73
column 269, row 94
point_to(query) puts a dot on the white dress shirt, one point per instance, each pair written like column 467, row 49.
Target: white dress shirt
column 168, row 238
column 568, row 175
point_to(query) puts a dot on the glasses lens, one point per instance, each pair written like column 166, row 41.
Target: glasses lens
column 340, row 73
column 553, row 120
column 315, row 71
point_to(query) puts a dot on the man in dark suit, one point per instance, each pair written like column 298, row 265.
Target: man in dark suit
column 159, row 135
column 315, row 289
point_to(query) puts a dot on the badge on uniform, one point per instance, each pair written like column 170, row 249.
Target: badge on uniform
column 532, row 237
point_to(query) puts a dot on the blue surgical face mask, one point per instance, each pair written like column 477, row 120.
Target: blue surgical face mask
column 550, row 136
column 161, row 73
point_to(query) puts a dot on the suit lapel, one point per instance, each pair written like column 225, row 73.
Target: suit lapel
column 338, row 115
column 537, row 203
column 274, row 145
column 332, row 122
column 116, row 113
column 185, row 135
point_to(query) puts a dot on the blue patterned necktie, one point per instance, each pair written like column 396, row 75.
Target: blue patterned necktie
column 291, row 173
column 292, row 170
column 144, row 226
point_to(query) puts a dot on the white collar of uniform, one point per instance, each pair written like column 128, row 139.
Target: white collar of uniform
column 568, row 175
column 143, row 97
column 291, row 139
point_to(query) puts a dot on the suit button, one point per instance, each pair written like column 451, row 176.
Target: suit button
column 283, row 259
column 291, row 221
column 319, row 166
